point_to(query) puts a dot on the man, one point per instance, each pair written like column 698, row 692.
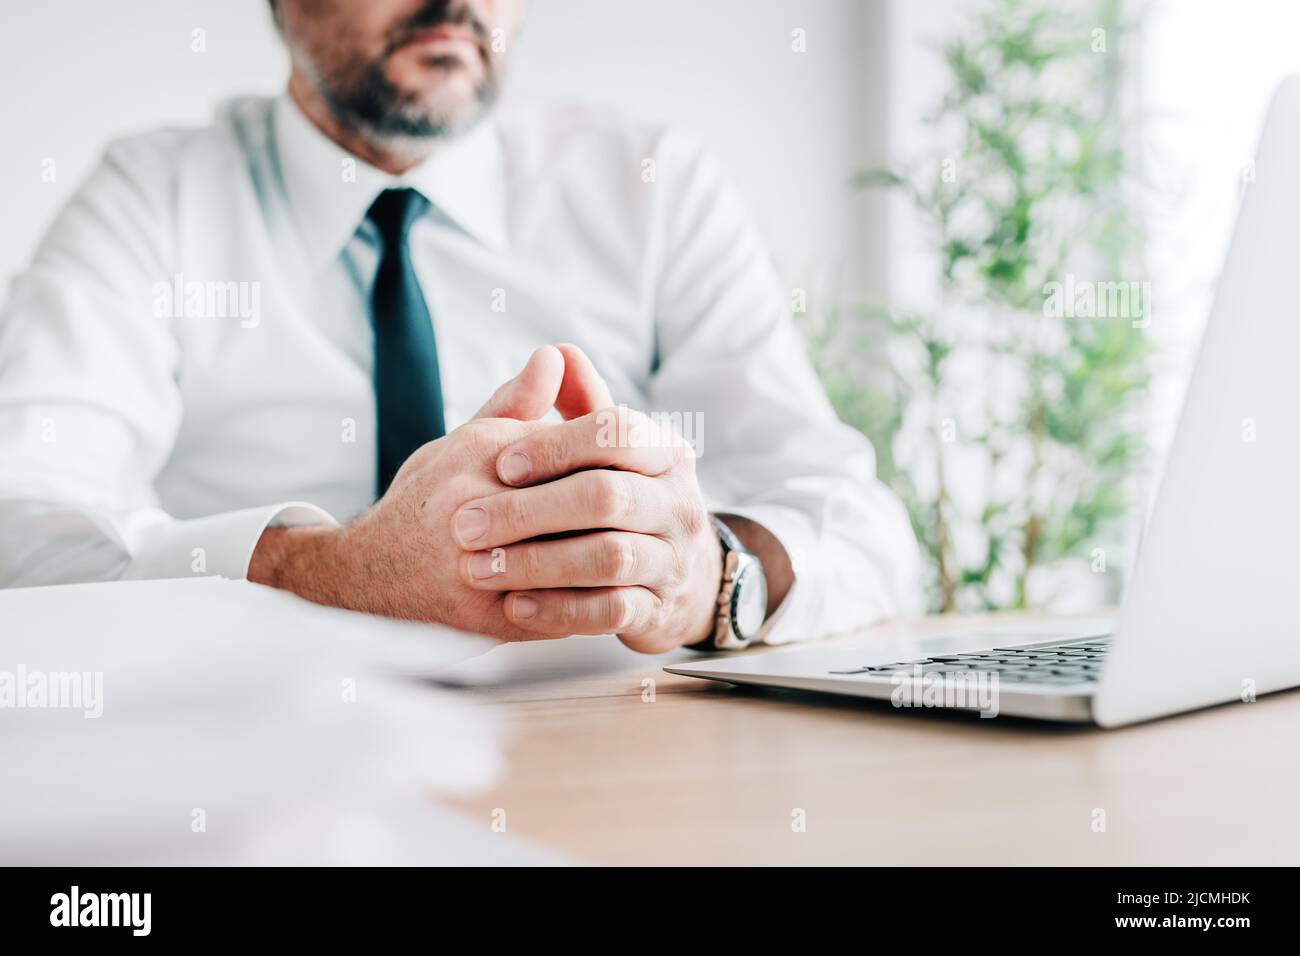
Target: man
column 257, row 350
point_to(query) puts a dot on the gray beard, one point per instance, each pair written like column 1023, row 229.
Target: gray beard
column 371, row 106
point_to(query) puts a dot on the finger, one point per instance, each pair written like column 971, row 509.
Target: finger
column 583, row 611
column 615, row 437
column 583, row 391
column 587, row 501
column 603, row 558
column 531, row 393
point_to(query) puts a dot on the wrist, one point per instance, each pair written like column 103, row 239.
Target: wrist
column 302, row 560
column 777, row 567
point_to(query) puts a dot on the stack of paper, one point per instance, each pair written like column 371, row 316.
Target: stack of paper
column 209, row 721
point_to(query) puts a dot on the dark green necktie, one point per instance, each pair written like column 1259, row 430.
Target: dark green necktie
column 408, row 392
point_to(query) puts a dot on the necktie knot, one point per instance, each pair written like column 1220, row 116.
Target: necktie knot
column 393, row 212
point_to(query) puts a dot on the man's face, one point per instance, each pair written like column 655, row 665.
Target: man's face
column 402, row 68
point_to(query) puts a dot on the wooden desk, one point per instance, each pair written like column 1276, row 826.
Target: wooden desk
column 712, row 774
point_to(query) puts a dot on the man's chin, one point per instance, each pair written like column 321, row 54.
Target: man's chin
column 413, row 126
column 452, row 103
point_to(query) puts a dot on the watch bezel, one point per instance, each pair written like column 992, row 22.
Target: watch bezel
column 737, row 562
column 749, row 585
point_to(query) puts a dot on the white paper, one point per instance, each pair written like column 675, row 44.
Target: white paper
column 236, row 724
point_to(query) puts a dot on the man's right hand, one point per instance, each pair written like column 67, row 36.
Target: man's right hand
column 399, row 558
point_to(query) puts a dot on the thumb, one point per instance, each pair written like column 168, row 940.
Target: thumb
column 531, row 393
column 582, row 390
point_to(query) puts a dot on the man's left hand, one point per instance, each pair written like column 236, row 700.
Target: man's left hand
column 637, row 556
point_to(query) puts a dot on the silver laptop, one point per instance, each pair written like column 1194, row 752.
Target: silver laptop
column 1212, row 612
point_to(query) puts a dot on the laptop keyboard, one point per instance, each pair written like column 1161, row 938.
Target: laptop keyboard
column 1056, row 662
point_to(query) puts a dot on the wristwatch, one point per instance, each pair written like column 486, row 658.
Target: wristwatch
column 742, row 597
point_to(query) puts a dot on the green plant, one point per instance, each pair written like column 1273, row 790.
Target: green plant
column 1008, row 423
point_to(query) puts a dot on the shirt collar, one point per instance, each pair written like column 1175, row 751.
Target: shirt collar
column 330, row 190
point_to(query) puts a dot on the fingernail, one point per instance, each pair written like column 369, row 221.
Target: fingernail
column 525, row 606
column 482, row 565
column 471, row 524
column 515, row 467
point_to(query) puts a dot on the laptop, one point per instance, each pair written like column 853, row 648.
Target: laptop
column 1211, row 614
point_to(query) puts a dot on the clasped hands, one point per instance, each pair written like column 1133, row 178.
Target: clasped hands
column 522, row 529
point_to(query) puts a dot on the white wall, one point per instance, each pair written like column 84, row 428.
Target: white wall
column 789, row 127
column 77, row 73
column 1208, row 69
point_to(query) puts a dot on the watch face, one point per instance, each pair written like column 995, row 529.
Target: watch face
column 749, row 601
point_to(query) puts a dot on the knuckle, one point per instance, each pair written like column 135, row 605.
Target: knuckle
column 477, row 438
column 620, row 612
column 512, row 510
column 639, row 428
column 568, row 612
column 475, row 430
column 691, row 515
column 679, row 569
column 530, row 562
column 545, row 451
column 607, row 496
column 617, row 557
column 482, row 439
column 622, row 427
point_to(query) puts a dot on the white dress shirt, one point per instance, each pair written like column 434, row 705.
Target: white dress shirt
column 148, row 434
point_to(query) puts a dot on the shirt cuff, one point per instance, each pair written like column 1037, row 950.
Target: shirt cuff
column 792, row 620
column 220, row 544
